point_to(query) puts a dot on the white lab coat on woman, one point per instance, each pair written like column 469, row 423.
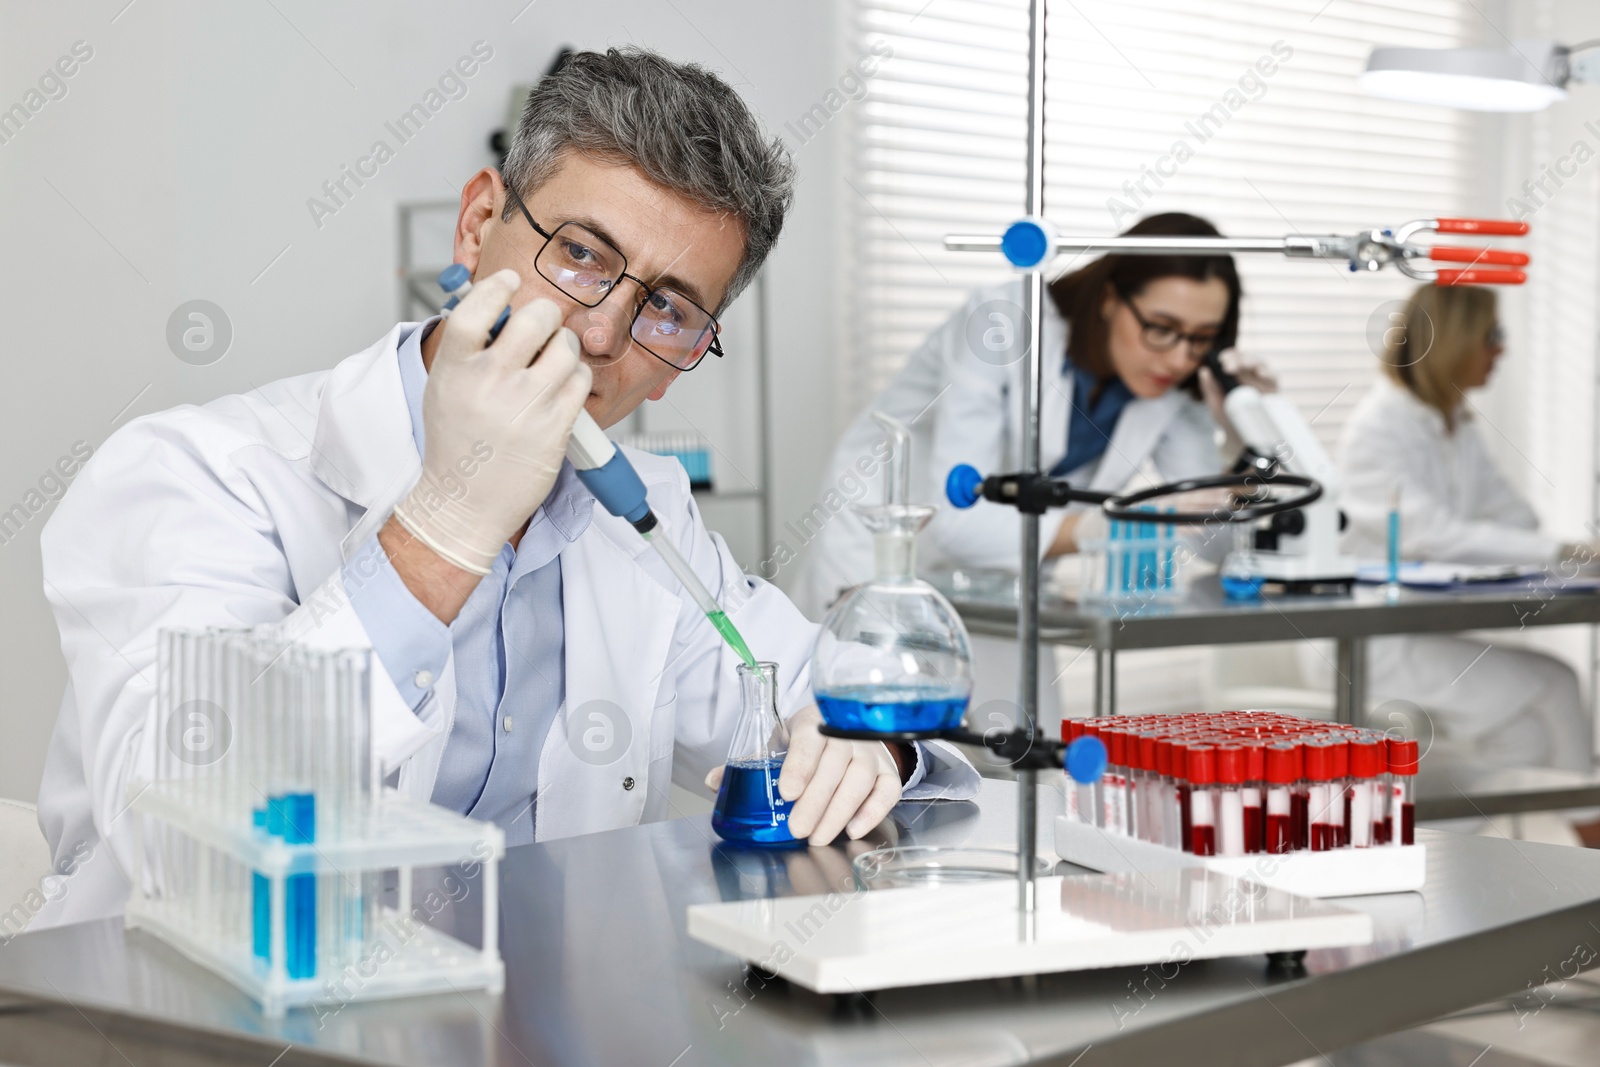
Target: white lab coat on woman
column 243, row 512
column 1455, row 506
column 961, row 394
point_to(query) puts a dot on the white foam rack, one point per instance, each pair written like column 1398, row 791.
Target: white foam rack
column 402, row 956
column 1344, row 872
column 891, row 938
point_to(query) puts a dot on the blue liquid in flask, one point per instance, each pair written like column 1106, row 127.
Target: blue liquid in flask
column 1235, row 588
column 749, row 808
column 893, row 709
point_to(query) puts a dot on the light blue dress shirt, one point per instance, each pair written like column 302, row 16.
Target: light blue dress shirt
column 509, row 643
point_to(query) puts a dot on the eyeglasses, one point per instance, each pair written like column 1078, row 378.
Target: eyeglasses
column 1163, row 338
column 587, row 267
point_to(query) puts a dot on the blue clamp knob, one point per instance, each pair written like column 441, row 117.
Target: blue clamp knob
column 454, row 277
column 1086, row 759
column 963, row 486
column 1026, row 243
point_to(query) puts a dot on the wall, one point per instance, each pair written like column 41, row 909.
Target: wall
column 178, row 166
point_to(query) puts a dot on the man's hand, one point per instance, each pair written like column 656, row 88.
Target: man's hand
column 833, row 784
column 496, row 421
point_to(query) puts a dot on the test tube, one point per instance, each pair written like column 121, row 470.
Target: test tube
column 1339, row 792
column 1167, row 795
column 1403, row 758
column 1182, row 790
column 1202, row 768
column 1300, row 801
column 1254, row 816
column 1149, row 788
column 1231, row 765
column 1283, row 774
column 1114, row 786
column 1319, row 772
column 1368, row 758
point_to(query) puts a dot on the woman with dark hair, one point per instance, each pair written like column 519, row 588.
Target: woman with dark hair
column 1124, row 337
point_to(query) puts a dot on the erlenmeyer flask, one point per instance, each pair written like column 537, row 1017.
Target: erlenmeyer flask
column 749, row 808
column 893, row 656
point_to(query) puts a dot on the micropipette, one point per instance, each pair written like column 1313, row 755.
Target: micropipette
column 607, row 474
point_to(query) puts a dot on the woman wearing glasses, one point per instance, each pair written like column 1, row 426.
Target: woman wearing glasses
column 1124, row 338
column 1416, row 434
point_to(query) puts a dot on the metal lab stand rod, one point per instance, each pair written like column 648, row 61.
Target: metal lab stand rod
column 1032, row 387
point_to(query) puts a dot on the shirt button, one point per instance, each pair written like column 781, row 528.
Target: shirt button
column 507, row 724
column 627, row 783
column 424, row 679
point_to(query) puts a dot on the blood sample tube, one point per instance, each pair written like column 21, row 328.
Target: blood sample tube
column 1368, row 759
column 1117, row 786
column 1149, row 789
column 1283, row 772
column 1254, row 772
column 1381, row 786
column 1202, row 764
column 1171, row 816
column 1135, row 800
column 1231, row 764
column 1339, row 792
column 1300, row 801
column 1319, row 772
column 1162, row 786
column 1181, row 790
column 1403, row 757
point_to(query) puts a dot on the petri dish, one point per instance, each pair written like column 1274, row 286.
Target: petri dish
column 931, row 866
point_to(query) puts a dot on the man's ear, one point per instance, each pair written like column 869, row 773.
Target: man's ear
column 481, row 199
column 661, row 389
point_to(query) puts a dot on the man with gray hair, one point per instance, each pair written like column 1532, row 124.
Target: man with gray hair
column 540, row 667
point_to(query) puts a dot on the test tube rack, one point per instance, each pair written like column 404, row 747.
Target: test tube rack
column 1345, row 872
column 1238, row 793
column 267, row 850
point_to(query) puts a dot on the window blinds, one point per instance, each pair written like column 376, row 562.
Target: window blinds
column 1244, row 113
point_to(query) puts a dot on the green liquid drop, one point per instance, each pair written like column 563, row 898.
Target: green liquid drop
column 725, row 627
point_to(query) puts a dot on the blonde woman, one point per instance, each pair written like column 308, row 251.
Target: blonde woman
column 1415, row 431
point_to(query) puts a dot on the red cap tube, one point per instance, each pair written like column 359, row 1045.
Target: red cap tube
column 1403, row 756
column 1202, row 763
column 1368, row 757
column 1232, row 763
column 1319, row 761
column 1283, row 763
column 1255, row 761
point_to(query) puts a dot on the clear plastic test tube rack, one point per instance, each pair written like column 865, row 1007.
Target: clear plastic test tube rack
column 263, row 833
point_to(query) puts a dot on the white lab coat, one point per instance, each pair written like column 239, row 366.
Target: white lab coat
column 965, row 409
column 1455, row 506
column 963, row 403
column 243, row 512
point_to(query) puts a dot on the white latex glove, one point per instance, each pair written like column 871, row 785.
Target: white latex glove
column 496, row 426
column 833, row 784
column 1255, row 374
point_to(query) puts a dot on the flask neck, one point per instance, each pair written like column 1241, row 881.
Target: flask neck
column 760, row 732
column 894, row 555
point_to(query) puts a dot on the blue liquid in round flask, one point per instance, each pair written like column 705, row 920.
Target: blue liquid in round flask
column 893, row 656
column 749, row 809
